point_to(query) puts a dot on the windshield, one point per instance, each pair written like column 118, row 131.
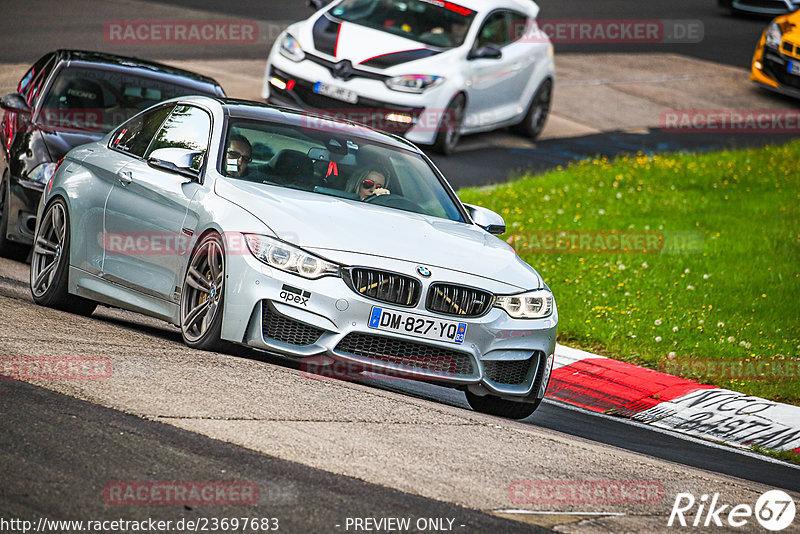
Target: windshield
column 327, row 161
column 98, row 100
column 433, row 22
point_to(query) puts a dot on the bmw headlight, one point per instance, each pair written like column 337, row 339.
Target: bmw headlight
column 774, row 34
column 289, row 258
column 535, row 304
column 43, row 172
column 291, row 49
column 413, row 83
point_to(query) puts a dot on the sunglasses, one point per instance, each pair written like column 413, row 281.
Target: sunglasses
column 236, row 155
column 369, row 184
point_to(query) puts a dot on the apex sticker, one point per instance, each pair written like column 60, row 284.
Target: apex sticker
column 294, row 295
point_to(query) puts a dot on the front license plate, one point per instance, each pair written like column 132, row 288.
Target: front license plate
column 417, row 325
column 793, row 68
column 339, row 93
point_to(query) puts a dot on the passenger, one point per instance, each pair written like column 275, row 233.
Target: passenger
column 238, row 156
column 371, row 182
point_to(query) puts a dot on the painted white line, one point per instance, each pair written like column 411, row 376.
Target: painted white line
column 675, row 434
column 548, row 512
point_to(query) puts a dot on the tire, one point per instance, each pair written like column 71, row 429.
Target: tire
column 49, row 281
column 449, row 131
column 492, row 405
column 538, row 110
column 8, row 249
column 202, row 297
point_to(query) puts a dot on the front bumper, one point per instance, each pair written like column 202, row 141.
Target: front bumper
column 23, row 201
column 506, row 357
column 375, row 106
column 770, row 70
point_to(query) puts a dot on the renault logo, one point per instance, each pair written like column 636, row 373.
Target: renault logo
column 343, row 70
column 423, row 271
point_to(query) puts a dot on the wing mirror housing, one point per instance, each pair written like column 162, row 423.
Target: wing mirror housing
column 183, row 161
column 486, row 219
column 14, row 102
column 316, row 5
column 486, row 52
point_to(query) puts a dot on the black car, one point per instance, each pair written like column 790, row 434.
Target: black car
column 69, row 98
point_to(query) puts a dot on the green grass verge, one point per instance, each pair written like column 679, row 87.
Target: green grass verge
column 716, row 296
column 786, row 456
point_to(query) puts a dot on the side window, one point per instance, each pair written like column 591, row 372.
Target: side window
column 495, row 30
column 187, row 127
column 517, row 26
column 24, row 85
column 37, row 82
column 134, row 136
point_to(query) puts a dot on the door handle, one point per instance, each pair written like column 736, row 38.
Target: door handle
column 125, row 177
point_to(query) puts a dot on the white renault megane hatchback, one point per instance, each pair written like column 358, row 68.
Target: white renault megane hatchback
column 300, row 236
column 430, row 70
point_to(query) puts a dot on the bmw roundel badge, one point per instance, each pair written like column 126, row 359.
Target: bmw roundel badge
column 423, row 271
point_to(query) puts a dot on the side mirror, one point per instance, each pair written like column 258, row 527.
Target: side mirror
column 318, row 4
column 178, row 160
column 486, row 52
column 14, row 102
column 486, row 219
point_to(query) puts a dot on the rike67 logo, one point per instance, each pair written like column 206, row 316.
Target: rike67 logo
column 774, row 510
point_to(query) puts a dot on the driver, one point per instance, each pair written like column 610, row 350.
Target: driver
column 372, row 182
column 237, row 157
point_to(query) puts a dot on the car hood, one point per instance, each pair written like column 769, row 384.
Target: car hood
column 329, row 226
column 345, row 40
column 59, row 142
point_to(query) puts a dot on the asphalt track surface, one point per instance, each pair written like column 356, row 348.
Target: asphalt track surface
column 58, row 453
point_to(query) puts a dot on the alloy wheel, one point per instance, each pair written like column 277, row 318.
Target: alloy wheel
column 48, row 249
column 202, row 290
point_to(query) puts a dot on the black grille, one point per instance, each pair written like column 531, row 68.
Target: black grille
column 508, row 372
column 281, row 328
column 386, row 286
column 777, row 69
column 463, row 301
column 413, row 356
column 354, row 72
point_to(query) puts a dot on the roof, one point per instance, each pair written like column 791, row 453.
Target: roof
column 125, row 62
column 248, row 109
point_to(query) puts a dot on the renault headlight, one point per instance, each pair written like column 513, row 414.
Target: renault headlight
column 413, row 83
column 291, row 49
column 289, row 258
column 535, row 304
column 43, row 172
column 774, row 34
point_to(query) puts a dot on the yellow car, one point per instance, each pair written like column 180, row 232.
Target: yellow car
column 776, row 63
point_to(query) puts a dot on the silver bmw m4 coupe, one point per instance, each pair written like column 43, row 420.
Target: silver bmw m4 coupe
column 317, row 240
